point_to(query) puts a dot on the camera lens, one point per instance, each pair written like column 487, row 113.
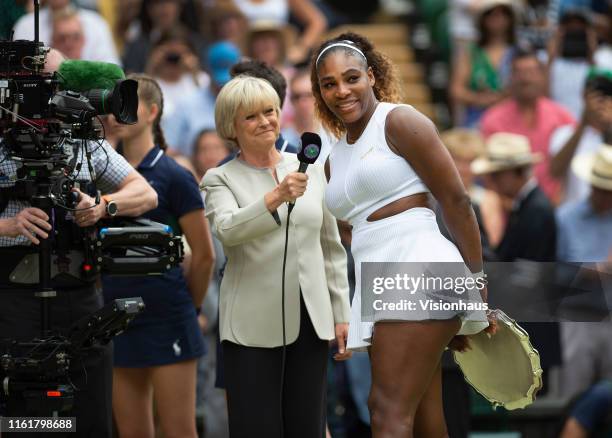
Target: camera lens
column 121, row 101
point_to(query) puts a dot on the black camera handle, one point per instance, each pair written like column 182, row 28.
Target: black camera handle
column 46, row 292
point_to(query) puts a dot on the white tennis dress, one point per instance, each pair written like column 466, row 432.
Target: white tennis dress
column 366, row 176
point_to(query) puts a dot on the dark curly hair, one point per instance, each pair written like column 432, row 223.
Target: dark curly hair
column 387, row 87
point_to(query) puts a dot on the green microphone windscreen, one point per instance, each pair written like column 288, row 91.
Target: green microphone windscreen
column 77, row 75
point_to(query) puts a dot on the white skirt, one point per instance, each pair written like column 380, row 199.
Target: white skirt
column 411, row 236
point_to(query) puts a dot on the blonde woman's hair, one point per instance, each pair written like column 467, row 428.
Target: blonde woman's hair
column 246, row 93
column 463, row 143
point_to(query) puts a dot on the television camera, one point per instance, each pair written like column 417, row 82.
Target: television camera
column 49, row 129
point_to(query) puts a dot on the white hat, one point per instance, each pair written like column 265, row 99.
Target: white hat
column 486, row 5
column 505, row 151
column 595, row 168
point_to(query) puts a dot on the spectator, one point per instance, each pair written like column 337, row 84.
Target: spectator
column 68, row 36
column 597, row 7
column 537, row 25
column 585, row 236
column 461, row 20
column 267, row 41
column 156, row 18
column 176, row 67
column 355, row 12
column 568, row 141
column 603, row 54
column 570, row 57
column 99, row 45
column 530, row 232
column 507, row 168
column 589, row 412
column 198, row 106
column 527, row 112
column 465, row 146
column 302, row 100
column 482, row 69
column 122, row 17
column 208, row 150
column 226, row 22
column 306, row 13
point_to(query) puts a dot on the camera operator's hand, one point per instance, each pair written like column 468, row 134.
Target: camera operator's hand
column 88, row 213
column 29, row 222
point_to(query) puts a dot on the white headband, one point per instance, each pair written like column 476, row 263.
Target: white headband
column 342, row 44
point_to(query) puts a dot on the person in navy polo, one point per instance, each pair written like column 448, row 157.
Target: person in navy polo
column 155, row 358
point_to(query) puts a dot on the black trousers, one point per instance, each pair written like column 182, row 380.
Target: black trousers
column 252, row 379
column 20, row 313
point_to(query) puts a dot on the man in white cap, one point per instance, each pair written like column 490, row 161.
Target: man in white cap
column 530, row 232
column 508, row 170
column 585, row 236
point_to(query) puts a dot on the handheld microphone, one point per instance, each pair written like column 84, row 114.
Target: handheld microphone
column 310, row 148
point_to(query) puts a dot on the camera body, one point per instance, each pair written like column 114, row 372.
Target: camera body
column 23, row 81
column 44, row 123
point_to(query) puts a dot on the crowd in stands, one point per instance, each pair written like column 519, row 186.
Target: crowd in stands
column 531, row 80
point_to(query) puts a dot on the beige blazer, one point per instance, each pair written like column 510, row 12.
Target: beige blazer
column 250, row 297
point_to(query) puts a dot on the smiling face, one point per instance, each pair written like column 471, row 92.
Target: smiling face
column 257, row 129
column 346, row 85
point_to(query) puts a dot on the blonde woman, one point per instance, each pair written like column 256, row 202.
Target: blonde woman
column 270, row 391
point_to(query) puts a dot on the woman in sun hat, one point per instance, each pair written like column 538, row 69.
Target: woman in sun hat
column 482, row 68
